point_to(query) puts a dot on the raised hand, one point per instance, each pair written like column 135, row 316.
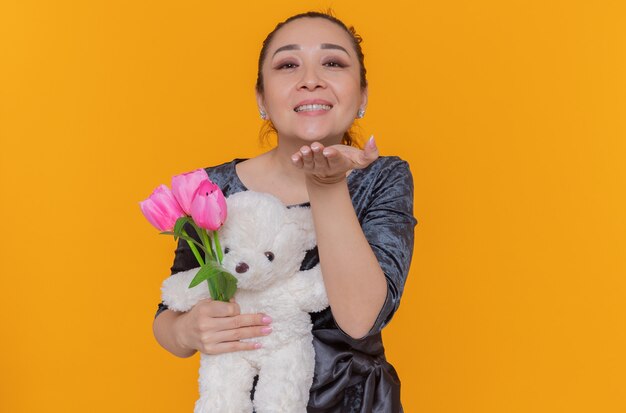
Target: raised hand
column 328, row 165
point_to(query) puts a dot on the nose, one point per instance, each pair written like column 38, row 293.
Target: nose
column 241, row 267
column 311, row 79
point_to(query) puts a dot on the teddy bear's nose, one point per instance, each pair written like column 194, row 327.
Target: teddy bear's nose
column 241, row 267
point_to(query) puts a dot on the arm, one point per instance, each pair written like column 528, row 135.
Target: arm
column 166, row 329
column 361, row 294
column 355, row 283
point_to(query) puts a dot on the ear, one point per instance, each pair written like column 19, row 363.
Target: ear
column 302, row 217
column 260, row 102
column 364, row 94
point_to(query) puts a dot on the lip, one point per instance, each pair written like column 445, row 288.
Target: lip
column 313, row 102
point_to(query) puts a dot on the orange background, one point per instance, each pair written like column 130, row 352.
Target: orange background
column 512, row 115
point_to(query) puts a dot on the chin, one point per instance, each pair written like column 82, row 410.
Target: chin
column 331, row 137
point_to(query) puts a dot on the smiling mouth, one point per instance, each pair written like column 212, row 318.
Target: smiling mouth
column 311, row 108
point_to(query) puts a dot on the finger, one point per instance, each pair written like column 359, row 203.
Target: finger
column 370, row 151
column 240, row 334
column 231, row 346
column 220, row 309
column 242, row 320
column 334, row 158
column 307, row 156
column 318, row 156
column 296, row 160
column 202, row 307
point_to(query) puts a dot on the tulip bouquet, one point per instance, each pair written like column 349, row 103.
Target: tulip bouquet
column 196, row 200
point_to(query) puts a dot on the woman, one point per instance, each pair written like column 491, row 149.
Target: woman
column 311, row 86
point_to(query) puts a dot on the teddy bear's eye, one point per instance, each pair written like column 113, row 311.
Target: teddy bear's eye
column 226, row 250
column 269, row 255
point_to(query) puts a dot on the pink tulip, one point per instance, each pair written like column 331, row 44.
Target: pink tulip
column 184, row 186
column 208, row 206
column 161, row 208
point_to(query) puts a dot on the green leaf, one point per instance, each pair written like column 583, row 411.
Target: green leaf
column 180, row 223
column 230, row 285
column 203, row 274
column 222, row 284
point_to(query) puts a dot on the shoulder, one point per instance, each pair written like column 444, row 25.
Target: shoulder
column 386, row 165
column 223, row 172
column 386, row 180
column 225, row 176
column 384, row 171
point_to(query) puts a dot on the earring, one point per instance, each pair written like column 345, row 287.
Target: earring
column 263, row 114
column 360, row 113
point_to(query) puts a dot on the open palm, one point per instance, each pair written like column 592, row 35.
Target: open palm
column 327, row 165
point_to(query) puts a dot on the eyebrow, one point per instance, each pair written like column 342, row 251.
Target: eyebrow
column 333, row 46
column 287, row 47
column 298, row 47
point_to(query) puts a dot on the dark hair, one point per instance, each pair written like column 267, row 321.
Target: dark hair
column 268, row 127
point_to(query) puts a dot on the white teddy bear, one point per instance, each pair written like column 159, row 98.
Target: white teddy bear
column 264, row 244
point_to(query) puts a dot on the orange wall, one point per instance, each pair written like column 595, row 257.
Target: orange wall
column 511, row 114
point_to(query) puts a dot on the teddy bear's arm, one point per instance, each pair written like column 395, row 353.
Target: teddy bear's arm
column 307, row 287
column 177, row 295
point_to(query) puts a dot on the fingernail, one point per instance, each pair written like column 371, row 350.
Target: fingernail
column 326, row 152
column 266, row 319
column 294, row 158
column 266, row 330
column 371, row 142
column 305, row 150
column 258, row 345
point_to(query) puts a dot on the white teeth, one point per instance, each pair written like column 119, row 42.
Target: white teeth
column 306, row 108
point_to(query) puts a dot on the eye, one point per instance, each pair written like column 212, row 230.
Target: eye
column 269, row 255
column 335, row 63
column 287, row 65
column 226, row 250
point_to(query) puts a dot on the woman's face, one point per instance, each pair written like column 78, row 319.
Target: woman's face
column 311, row 81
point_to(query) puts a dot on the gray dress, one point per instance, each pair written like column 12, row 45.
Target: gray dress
column 351, row 376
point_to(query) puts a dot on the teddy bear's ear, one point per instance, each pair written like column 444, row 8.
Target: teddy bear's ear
column 303, row 219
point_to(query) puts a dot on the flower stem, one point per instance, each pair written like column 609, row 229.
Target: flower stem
column 194, row 249
column 208, row 244
column 205, row 241
column 218, row 247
